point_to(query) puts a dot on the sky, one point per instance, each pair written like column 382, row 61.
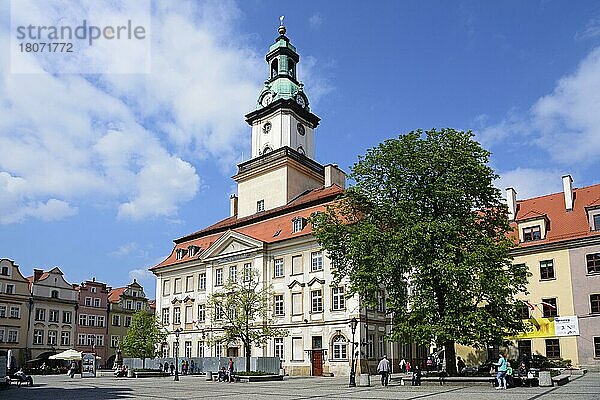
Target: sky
column 100, row 172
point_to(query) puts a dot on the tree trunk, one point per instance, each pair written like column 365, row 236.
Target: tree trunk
column 248, row 351
column 450, row 355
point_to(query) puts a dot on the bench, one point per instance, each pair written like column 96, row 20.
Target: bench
column 150, row 374
column 560, row 379
column 28, row 381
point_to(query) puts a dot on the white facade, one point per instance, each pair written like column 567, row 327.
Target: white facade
column 282, row 128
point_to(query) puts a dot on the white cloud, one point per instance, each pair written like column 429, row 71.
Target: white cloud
column 529, row 182
column 129, row 140
column 144, row 277
column 315, row 21
column 130, row 249
column 591, row 30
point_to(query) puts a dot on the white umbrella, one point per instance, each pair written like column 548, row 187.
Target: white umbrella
column 9, row 365
column 70, row 355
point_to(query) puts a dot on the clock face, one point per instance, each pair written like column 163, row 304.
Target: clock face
column 267, row 99
column 301, row 129
column 300, row 100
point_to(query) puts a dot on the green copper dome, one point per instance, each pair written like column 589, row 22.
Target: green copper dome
column 282, row 59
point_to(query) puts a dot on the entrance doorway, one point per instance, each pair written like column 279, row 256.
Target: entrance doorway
column 317, row 356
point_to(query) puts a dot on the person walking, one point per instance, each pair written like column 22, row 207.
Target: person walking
column 501, row 375
column 403, row 365
column 416, row 378
column 460, row 365
column 166, row 366
column 172, row 368
column 230, row 369
column 72, row 369
column 384, row 369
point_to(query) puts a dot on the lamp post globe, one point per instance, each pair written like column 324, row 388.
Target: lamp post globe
column 353, row 324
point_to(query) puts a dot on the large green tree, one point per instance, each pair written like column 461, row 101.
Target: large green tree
column 143, row 337
column 424, row 222
column 242, row 309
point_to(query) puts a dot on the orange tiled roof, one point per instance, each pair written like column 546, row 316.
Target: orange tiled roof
column 42, row 277
column 261, row 226
column 115, row 294
column 564, row 225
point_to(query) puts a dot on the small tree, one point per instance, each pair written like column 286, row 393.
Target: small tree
column 425, row 222
column 142, row 337
column 242, row 309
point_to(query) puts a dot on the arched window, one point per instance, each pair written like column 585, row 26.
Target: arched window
column 54, row 294
column 301, row 150
column 339, row 346
column 274, row 68
column 291, row 69
column 267, row 149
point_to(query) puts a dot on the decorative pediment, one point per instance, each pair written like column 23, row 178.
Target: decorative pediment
column 188, row 299
column 232, row 245
column 316, row 280
column 296, row 283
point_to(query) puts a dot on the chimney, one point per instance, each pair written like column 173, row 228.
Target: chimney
column 334, row 175
column 37, row 274
column 233, row 205
column 511, row 202
column 568, row 189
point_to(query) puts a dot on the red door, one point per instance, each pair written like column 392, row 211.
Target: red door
column 317, row 362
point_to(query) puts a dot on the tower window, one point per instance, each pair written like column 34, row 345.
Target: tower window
column 301, row 130
column 267, row 149
column 301, row 150
column 274, row 68
column 260, row 206
column 266, row 127
column 291, row 69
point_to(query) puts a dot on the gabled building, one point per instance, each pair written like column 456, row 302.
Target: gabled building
column 267, row 230
column 53, row 312
column 15, row 302
column 123, row 302
column 92, row 318
column 559, row 241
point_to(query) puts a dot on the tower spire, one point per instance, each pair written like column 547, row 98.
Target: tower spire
column 281, row 29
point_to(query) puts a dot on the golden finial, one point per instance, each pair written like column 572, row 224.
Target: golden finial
column 281, row 29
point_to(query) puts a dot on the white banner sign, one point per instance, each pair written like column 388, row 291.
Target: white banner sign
column 566, row 326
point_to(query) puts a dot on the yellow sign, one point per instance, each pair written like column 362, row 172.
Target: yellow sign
column 547, row 327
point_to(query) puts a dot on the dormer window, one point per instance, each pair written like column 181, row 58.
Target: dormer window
column 298, row 224
column 291, row 69
column 180, row 253
column 532, row 233
column 4, row 271
column 596, row 219
column 193, row 250
column 274, row 68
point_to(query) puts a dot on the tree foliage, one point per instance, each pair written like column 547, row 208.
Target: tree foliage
column 425, row 222
column 242, row 309
column 143, row 336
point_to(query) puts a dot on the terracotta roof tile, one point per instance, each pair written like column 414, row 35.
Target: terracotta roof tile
column 115, row 294
column 564, row 225
column 261, row 226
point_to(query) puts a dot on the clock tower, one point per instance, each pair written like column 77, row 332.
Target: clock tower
column 282, row 166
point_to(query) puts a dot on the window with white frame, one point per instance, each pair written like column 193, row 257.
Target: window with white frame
column 83, row 319
column 10, row 288
column 338, row 299
column 38, row 336
column 99, row 340
column 114, row 341
column 65, row 338
column 200, row 349
column 218, row 350
column 166, row 287
column 218, row 312
column 2, row 311
column 165, row 316
column 88, row 301
column 278, row 268
column 260, row 206
column 4, row 271
column 40, row 314
column 202, row 281
column 2, row 335
column 81, row 339
column 52, row 336
column 100, row 320
column 201, row 313
column 247, row 272
column 138, row 305
column 165, row 350
column 91, row 320
column 297, row 308
column 97, row 302
column 297, row 224
column 278, row 348
column 176, row 315
column 233, row 273
column 189, row 283
column 316, row 300
column 177, row 288
column 278, row 305
column 339, row 347
column 15, row 312
column 219, row 277
column 127, row 321
column 116, row 320
column 188, row 348
column 381, row 346
column 129, row 304
column 316, row 261
column 13, row 336
column 91, row 340
column 53, row 316
column 188, row 314
column 371, row 346
column 93, row 290
column 67, row 317
column 380, row 302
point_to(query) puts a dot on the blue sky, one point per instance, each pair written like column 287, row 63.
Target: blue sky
column 99, row 173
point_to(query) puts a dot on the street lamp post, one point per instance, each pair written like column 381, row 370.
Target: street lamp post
column 177, row 354
column 353, row 324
